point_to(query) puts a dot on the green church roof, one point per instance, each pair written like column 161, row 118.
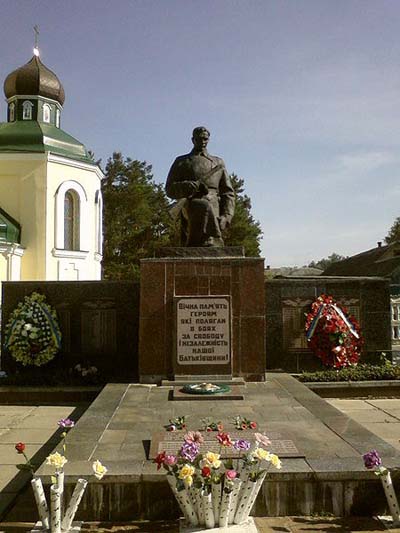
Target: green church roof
column 31, row 136
column 10, row 230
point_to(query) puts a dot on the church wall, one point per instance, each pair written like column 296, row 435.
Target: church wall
column 75, row 265
column 22, row 195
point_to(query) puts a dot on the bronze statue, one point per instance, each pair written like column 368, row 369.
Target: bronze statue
column 206, row 199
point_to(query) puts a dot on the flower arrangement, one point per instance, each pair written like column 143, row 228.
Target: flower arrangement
column 210, row 489
column 373, row 461
column 176, row 423
column 58, row 518
column 32, row 334
column 241, row 422
column 332, row 334
column 211, row 425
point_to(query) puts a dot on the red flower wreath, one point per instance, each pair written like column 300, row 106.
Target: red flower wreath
column 332, row 334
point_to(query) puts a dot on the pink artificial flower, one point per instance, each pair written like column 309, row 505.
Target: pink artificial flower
column 263, row 439
column 170, row 460
column 231, row 474
column 194, row 436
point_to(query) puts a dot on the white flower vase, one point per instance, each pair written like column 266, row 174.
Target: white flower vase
column 60, row 484
column 41, row 502
column 224, row 510
column 209, row 519
column 247, row 497
column 198, row 502
column 184, row 502
column 391, row 497
column 216, row 499
column 74, row 504
column 237, row 484
column 55, row 509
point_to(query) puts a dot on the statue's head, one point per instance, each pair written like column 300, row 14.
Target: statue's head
column 200, row 137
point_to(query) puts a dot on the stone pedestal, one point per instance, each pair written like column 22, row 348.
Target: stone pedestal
column 166, row 280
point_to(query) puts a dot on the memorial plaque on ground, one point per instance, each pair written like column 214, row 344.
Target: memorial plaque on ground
column 171, row 442
column 203, row 335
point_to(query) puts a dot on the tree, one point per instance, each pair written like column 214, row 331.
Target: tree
column 244, row 230
column 136, row 217
column 394, row 232
column 327, row 261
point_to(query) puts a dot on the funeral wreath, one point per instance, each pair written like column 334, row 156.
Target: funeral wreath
column 32, row 334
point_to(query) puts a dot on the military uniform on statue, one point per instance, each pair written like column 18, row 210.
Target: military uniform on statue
column 206, row 200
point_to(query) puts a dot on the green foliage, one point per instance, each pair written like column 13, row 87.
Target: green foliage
column 361, row 372
column 394, row 232
column 244, row 230
column 136, row 217
column 327, row 261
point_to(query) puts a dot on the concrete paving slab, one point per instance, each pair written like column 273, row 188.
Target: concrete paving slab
column 344, row 404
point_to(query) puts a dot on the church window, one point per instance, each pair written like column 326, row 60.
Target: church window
column 46, row 113
column 12, row 112
column 71, row 220
column 57, row 118
column 27, row 107
column 72, row 217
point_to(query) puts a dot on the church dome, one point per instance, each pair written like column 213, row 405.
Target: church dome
column 34, row 79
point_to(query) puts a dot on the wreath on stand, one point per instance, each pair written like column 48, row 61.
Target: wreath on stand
column 32, row 334
column 332, row 334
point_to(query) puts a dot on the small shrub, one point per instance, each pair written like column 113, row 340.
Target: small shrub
column 361, row 372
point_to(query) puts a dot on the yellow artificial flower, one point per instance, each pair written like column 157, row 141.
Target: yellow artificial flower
column 57, row 460
column 186, row 474
column 99, row 469
column 261, row 454
column 275, row 461
column 212, row 459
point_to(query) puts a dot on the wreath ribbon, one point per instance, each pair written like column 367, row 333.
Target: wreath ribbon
column 314, row 323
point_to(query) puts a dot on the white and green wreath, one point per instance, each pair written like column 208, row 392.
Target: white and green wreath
column 32, row 334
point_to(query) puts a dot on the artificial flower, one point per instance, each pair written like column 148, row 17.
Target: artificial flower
column 189, row 451
column 20, row 447
column 224, row 439
column 263, row 439
column 230, row 474
column 206, row 471
column 57, row 460
column 66, row 423
column 99, row 470
column 211, row 459
column 242, row 445
column 260, row 454
column 194, row 436
column 159, row 460
column 275, row 461
column 186, row 474
column 372, row 459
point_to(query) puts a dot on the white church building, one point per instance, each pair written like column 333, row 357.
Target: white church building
column 50, row 193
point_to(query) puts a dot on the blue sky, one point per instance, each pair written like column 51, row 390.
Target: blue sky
column 301, row 97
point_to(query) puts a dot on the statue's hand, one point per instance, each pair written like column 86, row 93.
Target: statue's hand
column 223, row 223
column 203, row 189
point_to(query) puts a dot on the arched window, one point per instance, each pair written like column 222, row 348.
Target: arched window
column 27, row 107
column 71, row 220
column 71, row 217
column 57, row 118
column 46, row 113
column 12, row 112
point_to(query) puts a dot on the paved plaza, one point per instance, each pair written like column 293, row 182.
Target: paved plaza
column 119, row 422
